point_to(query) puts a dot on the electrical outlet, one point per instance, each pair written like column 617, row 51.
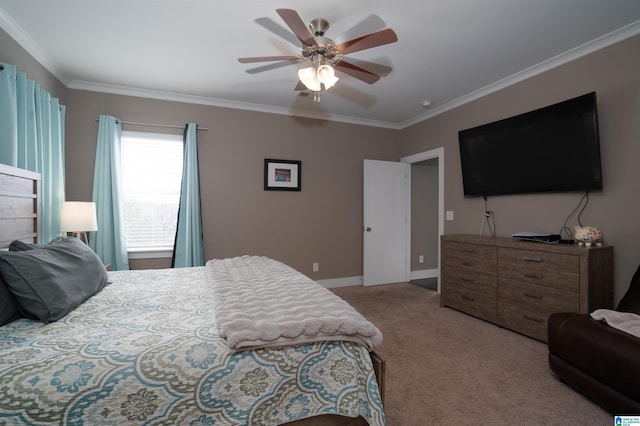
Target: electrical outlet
column 421, row 259
column 316, row 267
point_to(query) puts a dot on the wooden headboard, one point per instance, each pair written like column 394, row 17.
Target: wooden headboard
column 19, row 205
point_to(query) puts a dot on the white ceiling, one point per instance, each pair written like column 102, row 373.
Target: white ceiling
column 448, row 51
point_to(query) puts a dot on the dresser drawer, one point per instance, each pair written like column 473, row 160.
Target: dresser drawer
column 458, row 260
column 544, row 299
column 480, row 258
column 469, row 279
column 538, row 259
column 541, row 276
column 523, row 319
column 471, row 302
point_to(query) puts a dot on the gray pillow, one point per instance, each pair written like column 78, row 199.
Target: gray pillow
column 49, row 282
column 18, row 245
column 9, row 308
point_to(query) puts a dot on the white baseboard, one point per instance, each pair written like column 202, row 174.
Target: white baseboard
column 425, row 273
column 340, row 282
column 351, row 281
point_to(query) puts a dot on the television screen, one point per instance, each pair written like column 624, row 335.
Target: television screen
column 552, row 149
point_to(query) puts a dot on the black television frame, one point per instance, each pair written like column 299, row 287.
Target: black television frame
column 552, row 149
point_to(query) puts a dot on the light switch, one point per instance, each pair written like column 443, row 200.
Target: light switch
column 450, row 215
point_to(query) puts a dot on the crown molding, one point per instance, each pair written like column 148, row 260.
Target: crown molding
column 203, row 100
column 600, row 43
column 16, row 32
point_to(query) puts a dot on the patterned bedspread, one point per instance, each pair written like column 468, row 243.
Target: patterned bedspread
column 145, row 350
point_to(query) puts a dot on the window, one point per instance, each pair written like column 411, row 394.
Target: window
column 151, row 180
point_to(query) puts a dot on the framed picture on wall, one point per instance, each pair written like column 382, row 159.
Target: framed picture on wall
column 282, row 175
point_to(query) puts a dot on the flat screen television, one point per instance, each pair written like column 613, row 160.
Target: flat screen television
column 551, row 149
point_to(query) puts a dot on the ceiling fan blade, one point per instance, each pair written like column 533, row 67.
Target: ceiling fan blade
column 382, row 70
column 368, row 41
column 300, row 86
column 272, row 66
column 357, row 72
column 278, row 30
column 267, row 59
column 368, row 25
column 293, row 20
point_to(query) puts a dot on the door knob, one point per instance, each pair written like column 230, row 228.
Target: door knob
column 368, row 229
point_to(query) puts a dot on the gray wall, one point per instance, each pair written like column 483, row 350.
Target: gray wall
column 614, row 74
column 322, row 223
column 424, row 214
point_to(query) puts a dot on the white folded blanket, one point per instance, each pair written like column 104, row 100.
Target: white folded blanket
column 260, row 302
column 623, row 321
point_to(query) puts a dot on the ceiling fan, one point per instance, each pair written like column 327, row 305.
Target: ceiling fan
column 322, row 55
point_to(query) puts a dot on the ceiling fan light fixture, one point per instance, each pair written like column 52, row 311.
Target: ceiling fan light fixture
column 309, row 78
column 312, row 78
column 327, row 76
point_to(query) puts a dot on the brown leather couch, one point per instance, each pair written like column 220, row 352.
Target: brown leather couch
column 599, row 361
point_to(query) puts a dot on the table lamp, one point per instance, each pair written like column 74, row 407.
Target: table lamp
column 78, row 217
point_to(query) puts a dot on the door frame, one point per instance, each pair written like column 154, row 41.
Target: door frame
column 416, row 158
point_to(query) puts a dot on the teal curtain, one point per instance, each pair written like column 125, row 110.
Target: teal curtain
column 51, row 161
column 8, row 115
column 188, row 249
column 109, row 242
column 32, row 137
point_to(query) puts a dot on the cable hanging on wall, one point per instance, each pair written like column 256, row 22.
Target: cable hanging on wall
column 581, row 207
column 488, row 218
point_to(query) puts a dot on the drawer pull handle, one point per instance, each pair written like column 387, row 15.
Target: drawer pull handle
column 470, row 299
column 467, row 279
column 468, row 250
column 533, row 296
column 468, row 264
column 532, row 318
column 532, row 275
column 532, row 259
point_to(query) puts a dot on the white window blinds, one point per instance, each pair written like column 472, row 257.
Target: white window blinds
column 151, row 179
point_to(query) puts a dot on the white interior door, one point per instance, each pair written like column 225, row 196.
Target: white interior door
column 386, row 222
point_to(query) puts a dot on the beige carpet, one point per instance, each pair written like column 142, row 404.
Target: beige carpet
column 447, row 368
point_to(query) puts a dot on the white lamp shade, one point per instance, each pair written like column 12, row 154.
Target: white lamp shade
column 327, row 76
column 308, row 77
column 78, row 216
column 329, row 81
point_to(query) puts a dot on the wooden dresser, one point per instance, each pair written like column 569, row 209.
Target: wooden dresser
column 518, row 284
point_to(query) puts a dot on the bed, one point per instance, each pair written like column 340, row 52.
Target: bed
column 151, row 346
